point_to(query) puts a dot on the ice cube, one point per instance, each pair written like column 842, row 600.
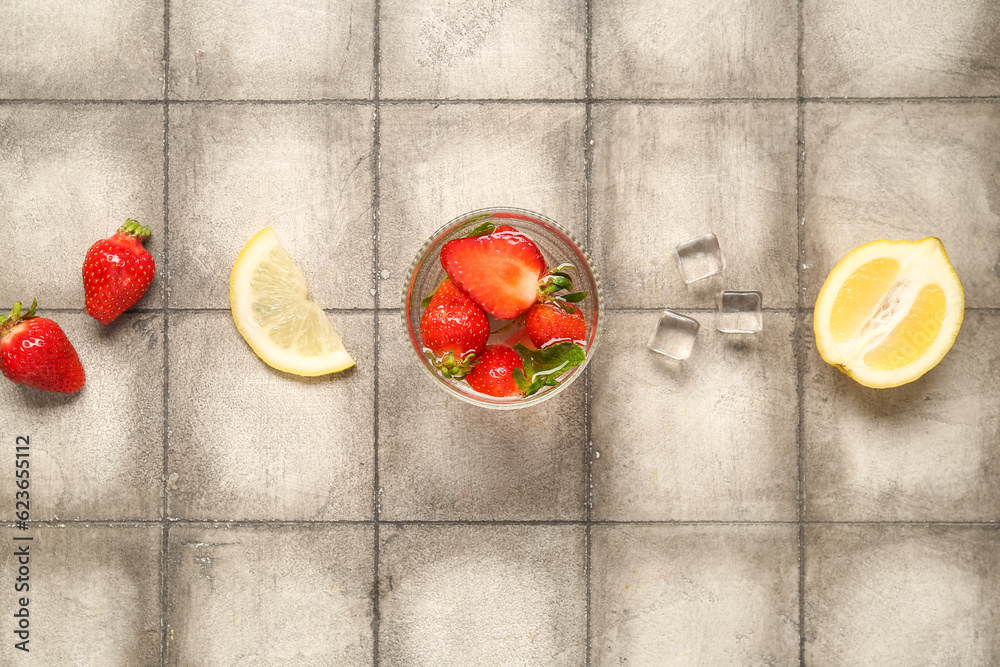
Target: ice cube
column 674, row 335
column 699, row 258
column 739, row 312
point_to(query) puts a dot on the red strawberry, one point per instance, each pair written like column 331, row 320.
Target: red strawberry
column 453, row 330
column 35, row 352
column 493, row 373
column 499, row 271
column 117, row 272
column 550, row 323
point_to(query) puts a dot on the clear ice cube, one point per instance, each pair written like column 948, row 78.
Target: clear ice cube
column 699, row 258
column 674, row 335
column 739, row 312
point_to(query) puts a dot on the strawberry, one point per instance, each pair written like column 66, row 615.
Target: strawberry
column 493, row 374
column 555, row 322
column 35, row 352
column 117, row 272
column 499, row 271
column 453, row 330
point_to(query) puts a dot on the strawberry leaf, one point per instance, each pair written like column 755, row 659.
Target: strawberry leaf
column 427, row 299
column 542, row 367
column 560, row 281
column 481, row 230
column 574, row 297
column 563, row 268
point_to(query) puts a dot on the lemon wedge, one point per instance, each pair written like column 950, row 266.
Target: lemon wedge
column 271, row 308
column 889, row 311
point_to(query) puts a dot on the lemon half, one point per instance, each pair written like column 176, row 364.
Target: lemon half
column 889, row 311
column 271, row 308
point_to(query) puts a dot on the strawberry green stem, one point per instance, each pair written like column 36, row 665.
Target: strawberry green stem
column 134, row 228
column 15, row 316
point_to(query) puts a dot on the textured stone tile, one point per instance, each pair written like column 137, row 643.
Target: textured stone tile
column 489, row 596
column 710, row 438
column 270, row 595
column 524, row 155
column 305, row 170
column 443, row 459
column 892, row 171
column 97, row 454
column 93, row 595
column 666, row 174
column 250, row 442
column 902, row 595
column 272, row 49
column 483, row 49
column 695, row 595
column 70, row 175
column 867, row 48
column 651, row 49
column 101, row 49
column 925, row 451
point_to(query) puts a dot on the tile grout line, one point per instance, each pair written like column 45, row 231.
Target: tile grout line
column 800, row 336
column 376, row 264
column 62, row 523
column 588, row 448
column 697, row 101
column 164, row 512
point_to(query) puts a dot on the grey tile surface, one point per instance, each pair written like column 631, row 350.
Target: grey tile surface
column 97, row 454
column 305, row 170
column 875, row 171
column 70, row 175
column 483, row 49
column 438, row 162
column 921, row 452
column 482, row 595
column 267, row 49
column 651, row 49
column 695, row 595
column 907, row 595
column 93, row 597
column 664, row 174
column 250, row 442
column 441, row 459
column 270, row 595
column 867, row 48
column 710, row 438
column 351, row 127
column 101, row 49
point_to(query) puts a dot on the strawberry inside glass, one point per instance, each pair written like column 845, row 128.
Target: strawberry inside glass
column 503, row 320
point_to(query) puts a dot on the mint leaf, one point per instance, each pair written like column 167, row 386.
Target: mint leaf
column 521, row 381
column 543, row 367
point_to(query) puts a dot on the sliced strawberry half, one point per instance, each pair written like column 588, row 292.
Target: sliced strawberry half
column 499, row 271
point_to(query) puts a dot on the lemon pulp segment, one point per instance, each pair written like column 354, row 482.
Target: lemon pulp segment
column 273, row 313
column 889, row 311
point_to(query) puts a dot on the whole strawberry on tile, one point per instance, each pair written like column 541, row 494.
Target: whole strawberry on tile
column 34, row 351
column 117, row 271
